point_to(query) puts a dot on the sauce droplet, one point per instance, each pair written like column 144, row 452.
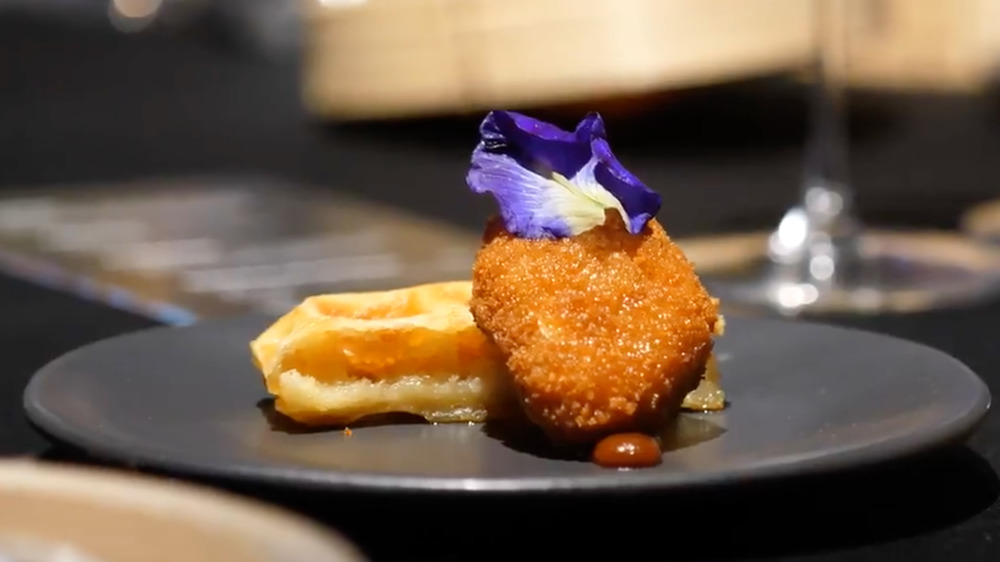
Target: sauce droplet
column 627, row 450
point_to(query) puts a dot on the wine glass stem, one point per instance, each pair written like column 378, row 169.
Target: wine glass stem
column 827, row 158
column 817, row 240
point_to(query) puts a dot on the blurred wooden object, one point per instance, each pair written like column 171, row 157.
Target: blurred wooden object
column 925, row 44
column 52, row 512
column 395, row 58
column 371, row 59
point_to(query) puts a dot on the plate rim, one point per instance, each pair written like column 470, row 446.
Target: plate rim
column 956, row 429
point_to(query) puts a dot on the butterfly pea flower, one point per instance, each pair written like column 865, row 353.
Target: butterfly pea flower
column 552, row 183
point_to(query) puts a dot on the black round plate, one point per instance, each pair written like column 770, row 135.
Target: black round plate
column 804, row 398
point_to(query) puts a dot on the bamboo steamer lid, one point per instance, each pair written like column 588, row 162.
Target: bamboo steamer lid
column 50, row 512
column 371, row 59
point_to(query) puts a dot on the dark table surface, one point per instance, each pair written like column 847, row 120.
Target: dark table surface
column 80, row 104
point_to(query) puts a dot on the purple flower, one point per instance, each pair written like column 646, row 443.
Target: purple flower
column 551, row 183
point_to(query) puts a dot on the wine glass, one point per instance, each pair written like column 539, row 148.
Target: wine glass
column 820, row 258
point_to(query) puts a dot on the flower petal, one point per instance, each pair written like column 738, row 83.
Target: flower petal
column 585, row 181
column 590, row 127
column 640, row 203
column 538, row 146
column 532, row 206
column 554, row 183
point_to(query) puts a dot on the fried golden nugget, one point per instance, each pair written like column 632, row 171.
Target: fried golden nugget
column 603, row 332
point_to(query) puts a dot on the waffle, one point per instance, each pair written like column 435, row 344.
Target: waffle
column 335, row 359
column 339, row 358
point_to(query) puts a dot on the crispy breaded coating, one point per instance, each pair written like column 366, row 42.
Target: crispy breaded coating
column 603, row 332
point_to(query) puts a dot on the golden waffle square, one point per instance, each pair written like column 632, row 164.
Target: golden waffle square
column 335, row 359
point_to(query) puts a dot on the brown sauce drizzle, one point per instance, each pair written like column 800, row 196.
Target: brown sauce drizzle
column 627, row 450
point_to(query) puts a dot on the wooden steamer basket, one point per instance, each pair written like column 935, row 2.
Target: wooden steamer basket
column 377, row 59
column 51, row 512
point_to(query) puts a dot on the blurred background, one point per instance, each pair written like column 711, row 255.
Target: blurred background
column 187, row 159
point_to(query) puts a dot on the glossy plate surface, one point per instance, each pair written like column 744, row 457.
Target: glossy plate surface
column 804, row 398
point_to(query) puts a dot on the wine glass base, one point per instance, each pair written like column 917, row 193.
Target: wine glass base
column 899, row 271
